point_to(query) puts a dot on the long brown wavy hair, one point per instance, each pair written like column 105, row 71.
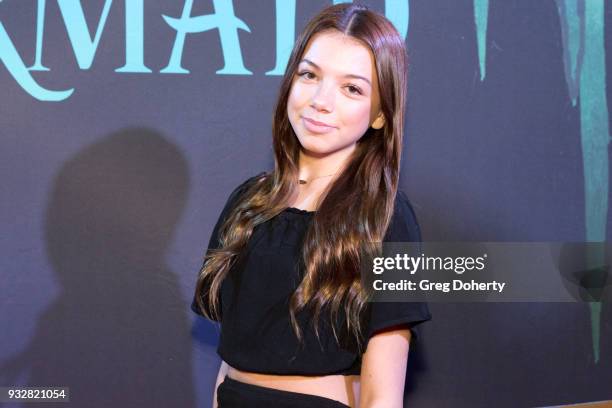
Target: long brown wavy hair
column 354, row 211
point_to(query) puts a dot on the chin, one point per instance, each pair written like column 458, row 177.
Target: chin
column 309, row 146
column 317, row 151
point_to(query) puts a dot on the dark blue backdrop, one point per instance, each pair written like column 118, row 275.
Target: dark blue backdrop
column 113, row 178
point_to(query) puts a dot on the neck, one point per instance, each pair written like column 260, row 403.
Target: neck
column 315, row 165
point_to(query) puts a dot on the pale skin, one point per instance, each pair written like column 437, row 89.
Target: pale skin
column 326, row 89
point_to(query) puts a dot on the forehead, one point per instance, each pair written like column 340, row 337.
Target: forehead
column 340, row 54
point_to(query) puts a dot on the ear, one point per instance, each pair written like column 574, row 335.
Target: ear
column 379, row 122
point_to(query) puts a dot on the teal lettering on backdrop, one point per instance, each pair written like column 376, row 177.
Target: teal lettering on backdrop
column 83, row 46
column 223, row 19
column 15, row 66
column 228, row 24
column 134, row 37
column 285, row 34
column 584, row 58
column 40, row 29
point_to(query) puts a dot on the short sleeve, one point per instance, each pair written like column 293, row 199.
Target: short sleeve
column 214, row 243
column 404, row 227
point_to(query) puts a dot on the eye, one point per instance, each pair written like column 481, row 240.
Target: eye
column 354, row 90
column 304, row 74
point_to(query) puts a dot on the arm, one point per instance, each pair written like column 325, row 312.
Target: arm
column 383, row 369
column 220, row 376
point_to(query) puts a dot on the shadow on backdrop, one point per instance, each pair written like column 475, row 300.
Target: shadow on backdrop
column 117, row 334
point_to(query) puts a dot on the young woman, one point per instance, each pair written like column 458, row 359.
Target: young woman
column 282, row 272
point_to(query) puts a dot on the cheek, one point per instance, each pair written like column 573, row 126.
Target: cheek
column 291, row 103
column 294, row 108
column 357, row 116
column 298, row 96
column 292, row 96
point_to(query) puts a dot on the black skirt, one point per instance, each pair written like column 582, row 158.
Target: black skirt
column 237, row 394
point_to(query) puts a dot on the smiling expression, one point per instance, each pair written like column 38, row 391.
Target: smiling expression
column 334, row 95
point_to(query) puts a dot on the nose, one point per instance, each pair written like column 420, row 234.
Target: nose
column 323, row 98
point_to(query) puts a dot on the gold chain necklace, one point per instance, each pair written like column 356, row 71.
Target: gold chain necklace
column 314, row 178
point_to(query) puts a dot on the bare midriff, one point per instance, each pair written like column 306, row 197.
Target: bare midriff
column 343, row 388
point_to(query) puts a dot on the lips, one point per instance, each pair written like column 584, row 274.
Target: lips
column 317, row 122
column 314, row 127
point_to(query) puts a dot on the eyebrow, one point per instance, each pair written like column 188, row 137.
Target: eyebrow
column 346, row 76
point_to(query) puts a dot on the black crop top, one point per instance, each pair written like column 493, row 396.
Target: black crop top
column 256, row 333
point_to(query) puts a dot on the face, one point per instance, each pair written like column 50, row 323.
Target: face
column 334, row 96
